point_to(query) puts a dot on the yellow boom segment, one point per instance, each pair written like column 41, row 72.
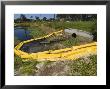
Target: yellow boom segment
column 72, row 53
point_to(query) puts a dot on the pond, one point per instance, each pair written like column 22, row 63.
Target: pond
column 44, row 44
column 22, row 33
column 40, row 46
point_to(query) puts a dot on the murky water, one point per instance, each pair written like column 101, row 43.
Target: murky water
column 40, row 46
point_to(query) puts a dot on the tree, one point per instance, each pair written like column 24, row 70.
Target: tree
column 37, row 18
column 60, row 16
column 31, row 17
column 23, row 17
column 73, row 17
column 77, row 17
column 44, row 19
column 51, row 19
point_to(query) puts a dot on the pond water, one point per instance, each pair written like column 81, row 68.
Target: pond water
column 35, row 46
column 41, row 45
column 22, row 33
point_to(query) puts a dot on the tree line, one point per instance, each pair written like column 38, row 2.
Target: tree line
column 58, row 17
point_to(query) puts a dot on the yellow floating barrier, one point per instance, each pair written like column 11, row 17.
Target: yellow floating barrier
column 62, row 54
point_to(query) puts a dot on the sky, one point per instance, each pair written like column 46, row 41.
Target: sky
column 38, row 15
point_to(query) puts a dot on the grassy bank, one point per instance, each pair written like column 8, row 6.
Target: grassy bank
column 82, row 25
column 42, row 27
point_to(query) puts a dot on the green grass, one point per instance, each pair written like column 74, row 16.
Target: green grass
column 36, row 32
column 82, row 25
column 24, row 67
column 23, row 24
column 17, row 62
column 70, row 42
column 75, row 41
column 28, row 68
column 82, row 67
